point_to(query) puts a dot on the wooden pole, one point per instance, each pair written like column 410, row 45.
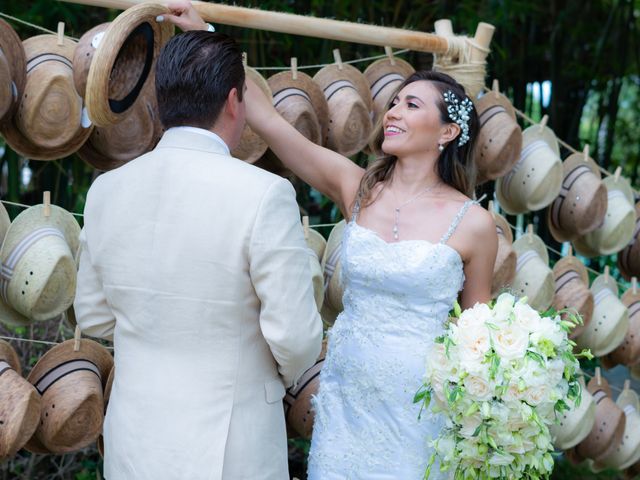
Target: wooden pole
column 302, row 25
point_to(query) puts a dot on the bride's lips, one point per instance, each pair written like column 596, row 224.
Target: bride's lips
column 392, row 130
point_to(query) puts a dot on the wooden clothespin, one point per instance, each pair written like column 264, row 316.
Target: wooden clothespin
column 570, row 251
column 585, row 153
column 60, row 33
column 627, row 384
column 76, row 339
column 389, row 52
column 337, row 58
column 496, row 88
column 606, row 273
column 244, row 59
column 543, row 122
column 305, row 226
column 294, row 68
column 616, row 175
column 598, row 377
column 46, row 200
column 530, row 232
column 634, row 285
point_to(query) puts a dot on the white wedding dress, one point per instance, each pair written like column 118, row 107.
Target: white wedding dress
column 397, row 297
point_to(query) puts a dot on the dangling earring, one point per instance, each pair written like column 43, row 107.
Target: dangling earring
column 440, row 147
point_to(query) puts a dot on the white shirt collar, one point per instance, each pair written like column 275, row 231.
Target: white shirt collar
column 207, row 133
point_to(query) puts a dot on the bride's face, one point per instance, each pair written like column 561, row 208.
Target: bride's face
column 413, row 124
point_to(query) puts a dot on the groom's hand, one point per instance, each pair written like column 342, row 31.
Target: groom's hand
column 184, row 16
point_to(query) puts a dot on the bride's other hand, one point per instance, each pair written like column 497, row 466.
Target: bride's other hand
column 260, row 110
column 184, row 16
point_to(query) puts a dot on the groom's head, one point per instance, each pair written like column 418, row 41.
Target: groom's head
column 200, row 82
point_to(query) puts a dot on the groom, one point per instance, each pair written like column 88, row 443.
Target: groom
column 194, row 263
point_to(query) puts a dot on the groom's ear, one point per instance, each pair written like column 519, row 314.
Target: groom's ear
column 232, row 105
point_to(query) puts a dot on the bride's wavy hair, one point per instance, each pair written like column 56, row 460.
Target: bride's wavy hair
column 455, row 163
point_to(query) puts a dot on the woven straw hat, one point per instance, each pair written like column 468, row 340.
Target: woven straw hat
column 71, row 384
column 301, row 103
column 298, row 411
column 628, row 352
column 536, row 178
column 628, row 452
column 572, row 290
column 251, row 146
column 619, row 222
column 384, row 77
column 123, row 62
column 13, row 70
column 19, row 404
column 107, row 394
column 607, row 431
column 533, row 278
column 499, row 140
column 629, row 256
column 315, row 242
column 317, row 280
column 332, row 269
column 139, row 129
column 50, row 122
column 582, row 204
column 38, row 279
column 504, row 270
column 349, row 98
column 610, row 320
column 574, row 424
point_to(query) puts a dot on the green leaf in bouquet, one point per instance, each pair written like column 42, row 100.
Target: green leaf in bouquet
column 456, row 309
column 547, row 348
column 448, row 343
column 536, row 356
column 432, row 460
column 473, row 408
column 495, row 366
column 561, row 406
column 492, row 326
column 585, row 353
column 439, row 339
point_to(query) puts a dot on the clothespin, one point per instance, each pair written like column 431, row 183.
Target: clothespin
column 46, row 200
column 585, row 153
column 496, row 88
column 616, row 175
column 389, row 52
column 627, row 384
column 606, row 273
column 305, row 226
column 543, row 122
column 570, row 252
column 530, row 232
column 76, row 339
column 337, row 58
column 634, row 285
column 294, row 68
column 491, row 209
column 598, row 377
column 244, row 59
column 60, row 33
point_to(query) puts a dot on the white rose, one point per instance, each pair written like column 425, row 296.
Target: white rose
column 526, row 316
column 474, row 341
column 476, row 315
column 550, row 330
column 511, row 341
column 536, row 395
column 478, row 388
column 503, row 307
column 512, row 394
column 531, row 372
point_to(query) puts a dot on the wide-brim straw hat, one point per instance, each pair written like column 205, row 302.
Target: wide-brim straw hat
column 534, row 278
column 317, row 280
column 299, row 413
column 572, row 290
column 19, row 404
column 124, row 61
column 628, row 452
column 252, row 146
column 610, row 320
column 536, row 178
column 316, row 242
column 71, row 384
column 574, row 424
column 301, row 102
column 499, row 140
column 582, row 203
column 38, row 278
column 349, row 98
column 138, row 131
column 332, row 268
column 504, row 269
column 629, row 256
column 628, row 352
column 385, row 77
column 50, row 122
column 13, row 70
column 619, row 222
column 608, row 428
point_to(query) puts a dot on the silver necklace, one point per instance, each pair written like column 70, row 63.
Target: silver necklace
column 419, row 194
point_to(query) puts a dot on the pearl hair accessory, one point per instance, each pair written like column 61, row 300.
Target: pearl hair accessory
column 459, row 113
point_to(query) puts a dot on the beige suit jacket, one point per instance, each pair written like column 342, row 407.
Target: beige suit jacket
column 194, row 263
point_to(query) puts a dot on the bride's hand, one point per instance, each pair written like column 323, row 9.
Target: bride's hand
column 184, row 16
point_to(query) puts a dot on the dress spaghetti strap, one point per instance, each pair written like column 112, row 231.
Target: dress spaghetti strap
column 456, row 220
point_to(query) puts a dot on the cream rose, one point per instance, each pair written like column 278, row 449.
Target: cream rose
column 511, row 341
column 478, row 388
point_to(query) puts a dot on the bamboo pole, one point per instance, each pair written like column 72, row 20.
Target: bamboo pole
column 308, row 26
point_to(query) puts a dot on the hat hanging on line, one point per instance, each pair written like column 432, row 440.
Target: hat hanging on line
column 629, row 256
column 349, row 98
column 19, row 404
column 610, row 320
column 107, row 395
column 70, row 378
column 574, row 424
column 123, row 62
column 499, row 140
column 332, row 268
column 13, row 71
column 38, row 277
column 137, row 131
column 572, row 291
column 50, row 122
column 628, row 352
column 536, row 178
column 533, row 278
column 582, row 203
column 504, row 269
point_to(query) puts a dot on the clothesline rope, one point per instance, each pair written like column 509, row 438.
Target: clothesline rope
column 43, row 342
column 33, row 25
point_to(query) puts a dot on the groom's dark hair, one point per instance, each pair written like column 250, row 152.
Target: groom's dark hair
column 194, row 74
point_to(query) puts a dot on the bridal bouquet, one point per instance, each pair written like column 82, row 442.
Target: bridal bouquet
column 500, row 374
